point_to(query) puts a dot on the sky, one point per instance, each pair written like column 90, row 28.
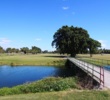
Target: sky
column 27, row 23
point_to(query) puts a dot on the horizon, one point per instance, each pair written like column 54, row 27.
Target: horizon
column 27, row 23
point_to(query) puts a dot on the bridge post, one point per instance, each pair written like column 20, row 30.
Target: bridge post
column 102, row 74
column 103, row 77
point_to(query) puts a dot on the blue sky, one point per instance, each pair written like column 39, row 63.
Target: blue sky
column 26, row 23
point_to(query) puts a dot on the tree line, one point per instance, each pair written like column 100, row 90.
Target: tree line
column 106, row 51
column 25, row 50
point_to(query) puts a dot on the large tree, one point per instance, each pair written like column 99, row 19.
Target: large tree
column 72, row 40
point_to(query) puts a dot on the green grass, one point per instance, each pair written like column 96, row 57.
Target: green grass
column 98, row 56
column 48, row 84
column 62, row 95
column 100, row 60
column 39, row 59
column 68, row 85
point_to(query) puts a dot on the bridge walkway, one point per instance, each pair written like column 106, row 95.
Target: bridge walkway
column 98, row 73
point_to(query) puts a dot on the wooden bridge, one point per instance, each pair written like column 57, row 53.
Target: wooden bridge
column 96, row 72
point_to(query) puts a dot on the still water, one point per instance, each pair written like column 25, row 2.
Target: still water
column 16, row 75
column 107, row 68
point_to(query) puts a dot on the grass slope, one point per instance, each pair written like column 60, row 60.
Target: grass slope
column 45, row 85
column 62, row 95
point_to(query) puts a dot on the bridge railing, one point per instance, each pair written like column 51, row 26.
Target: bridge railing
column 95, row 72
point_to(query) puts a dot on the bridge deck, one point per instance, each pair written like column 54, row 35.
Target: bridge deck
column 93, row 71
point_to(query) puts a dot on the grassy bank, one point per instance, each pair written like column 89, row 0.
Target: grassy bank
column 38, row 59
column 45, row 85
column 62, row 95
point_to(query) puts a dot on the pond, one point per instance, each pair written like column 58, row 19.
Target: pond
column 107, row 68
column 16, row 75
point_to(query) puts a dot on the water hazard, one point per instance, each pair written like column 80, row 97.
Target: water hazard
column 107, row 68
column 16, row 75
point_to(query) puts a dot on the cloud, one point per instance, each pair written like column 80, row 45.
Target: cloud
column 4, row 41
column 103, row 43
column 38, row 39
column 65, row 8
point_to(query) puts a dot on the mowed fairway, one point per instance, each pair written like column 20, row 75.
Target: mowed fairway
column 38, row 59
column 98, row 56
column 97, row 59
column 41, row 59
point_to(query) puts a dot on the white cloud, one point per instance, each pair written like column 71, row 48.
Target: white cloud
column 38, row 39
column 65, row 8
column 103, row 43
column 4, row 41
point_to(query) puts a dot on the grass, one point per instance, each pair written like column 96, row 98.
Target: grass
column 39, row 59
column 45, row 85
column 62, row 95
column 68, row 93
column 98, row 56
column 97, row 59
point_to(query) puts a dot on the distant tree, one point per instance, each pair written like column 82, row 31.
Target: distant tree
column 73, row 40
column 45, row 51
column 17, row 50
column 35, row 50
column 8, row 50
column 56, row 51
column 25, row 50
column 1, row 50
column 100, row 51
column 12, row 50
column 107, row 51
